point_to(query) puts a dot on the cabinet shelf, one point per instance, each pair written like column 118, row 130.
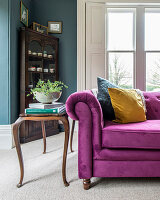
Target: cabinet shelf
column 49, row 73
column 35, row 58
column 35, row 72
column 51, row 59
column 39, row 58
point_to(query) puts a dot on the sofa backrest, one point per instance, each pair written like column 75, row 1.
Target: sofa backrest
column 152, row 105
column 152, row 100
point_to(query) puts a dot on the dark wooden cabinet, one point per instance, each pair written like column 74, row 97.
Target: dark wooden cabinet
column 38, row 60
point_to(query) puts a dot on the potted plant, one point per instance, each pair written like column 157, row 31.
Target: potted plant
column 47, row 92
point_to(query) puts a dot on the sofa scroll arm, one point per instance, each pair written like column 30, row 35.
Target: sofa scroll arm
column 86, row 97
column 84, row 107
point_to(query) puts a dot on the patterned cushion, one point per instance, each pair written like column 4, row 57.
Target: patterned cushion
column 104, row 98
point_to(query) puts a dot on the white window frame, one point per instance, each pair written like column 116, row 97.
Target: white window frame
column 139, row 53
column 119, row 9
column 152, row 51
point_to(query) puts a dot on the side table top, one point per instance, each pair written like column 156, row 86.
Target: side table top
column 42, row 115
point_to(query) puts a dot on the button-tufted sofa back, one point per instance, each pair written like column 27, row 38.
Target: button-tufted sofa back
column 152, row 104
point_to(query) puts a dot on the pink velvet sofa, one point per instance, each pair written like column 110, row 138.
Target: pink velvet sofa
column 107, row 149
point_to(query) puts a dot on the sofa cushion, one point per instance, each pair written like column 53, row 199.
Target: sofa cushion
column 127, row 104
column 141, row 135
column 104, row 98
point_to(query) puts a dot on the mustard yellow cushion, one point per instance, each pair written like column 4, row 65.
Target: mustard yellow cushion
column 127, row 105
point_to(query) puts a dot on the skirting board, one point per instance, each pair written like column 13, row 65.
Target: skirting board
column 6, row 136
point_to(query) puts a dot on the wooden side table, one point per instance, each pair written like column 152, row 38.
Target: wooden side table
column 41, row 117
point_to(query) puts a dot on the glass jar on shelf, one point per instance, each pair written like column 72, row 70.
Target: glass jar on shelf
column 45, row 69
column 32, row 68
column 30, row 86
column 52, row 68
column 39, row 68
column 45, row 55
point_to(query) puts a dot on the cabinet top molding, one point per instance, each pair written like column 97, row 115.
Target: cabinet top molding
column 30, row 30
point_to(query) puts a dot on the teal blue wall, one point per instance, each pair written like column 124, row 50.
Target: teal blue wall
column 65, row 11
column 40, row 11
column 15, row 25
column 4, row 62
column 9, row 58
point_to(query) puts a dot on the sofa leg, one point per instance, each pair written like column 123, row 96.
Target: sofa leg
column 86, row 184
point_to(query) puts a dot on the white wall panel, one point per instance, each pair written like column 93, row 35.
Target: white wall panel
column 95, row 67
column 95, row 43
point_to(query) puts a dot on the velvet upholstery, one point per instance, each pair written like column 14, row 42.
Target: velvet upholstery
column 128, row 105
column 84, row 146
column 127, row 155
column 138, row 150
column 102, row 168
column 84, row 107
column 152, row 104
column 88, row 98
column 140, row 135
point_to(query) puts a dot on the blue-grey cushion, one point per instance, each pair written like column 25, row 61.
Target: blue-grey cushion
column 104, row 98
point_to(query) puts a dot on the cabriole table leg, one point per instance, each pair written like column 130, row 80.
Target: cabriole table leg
column 65, row 121
column 18, row 148
column 44, row 135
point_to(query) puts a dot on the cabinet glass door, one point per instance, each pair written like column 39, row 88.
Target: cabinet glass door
column 49, row 63
column 35, row 63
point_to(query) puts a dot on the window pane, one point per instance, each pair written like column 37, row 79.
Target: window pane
column 121, row 69
column 152, row 29
column 153, row 71
column 120, row 29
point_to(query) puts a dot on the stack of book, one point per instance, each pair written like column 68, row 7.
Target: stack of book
column 39, row 108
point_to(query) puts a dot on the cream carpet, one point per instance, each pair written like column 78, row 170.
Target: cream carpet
column 43, row 179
